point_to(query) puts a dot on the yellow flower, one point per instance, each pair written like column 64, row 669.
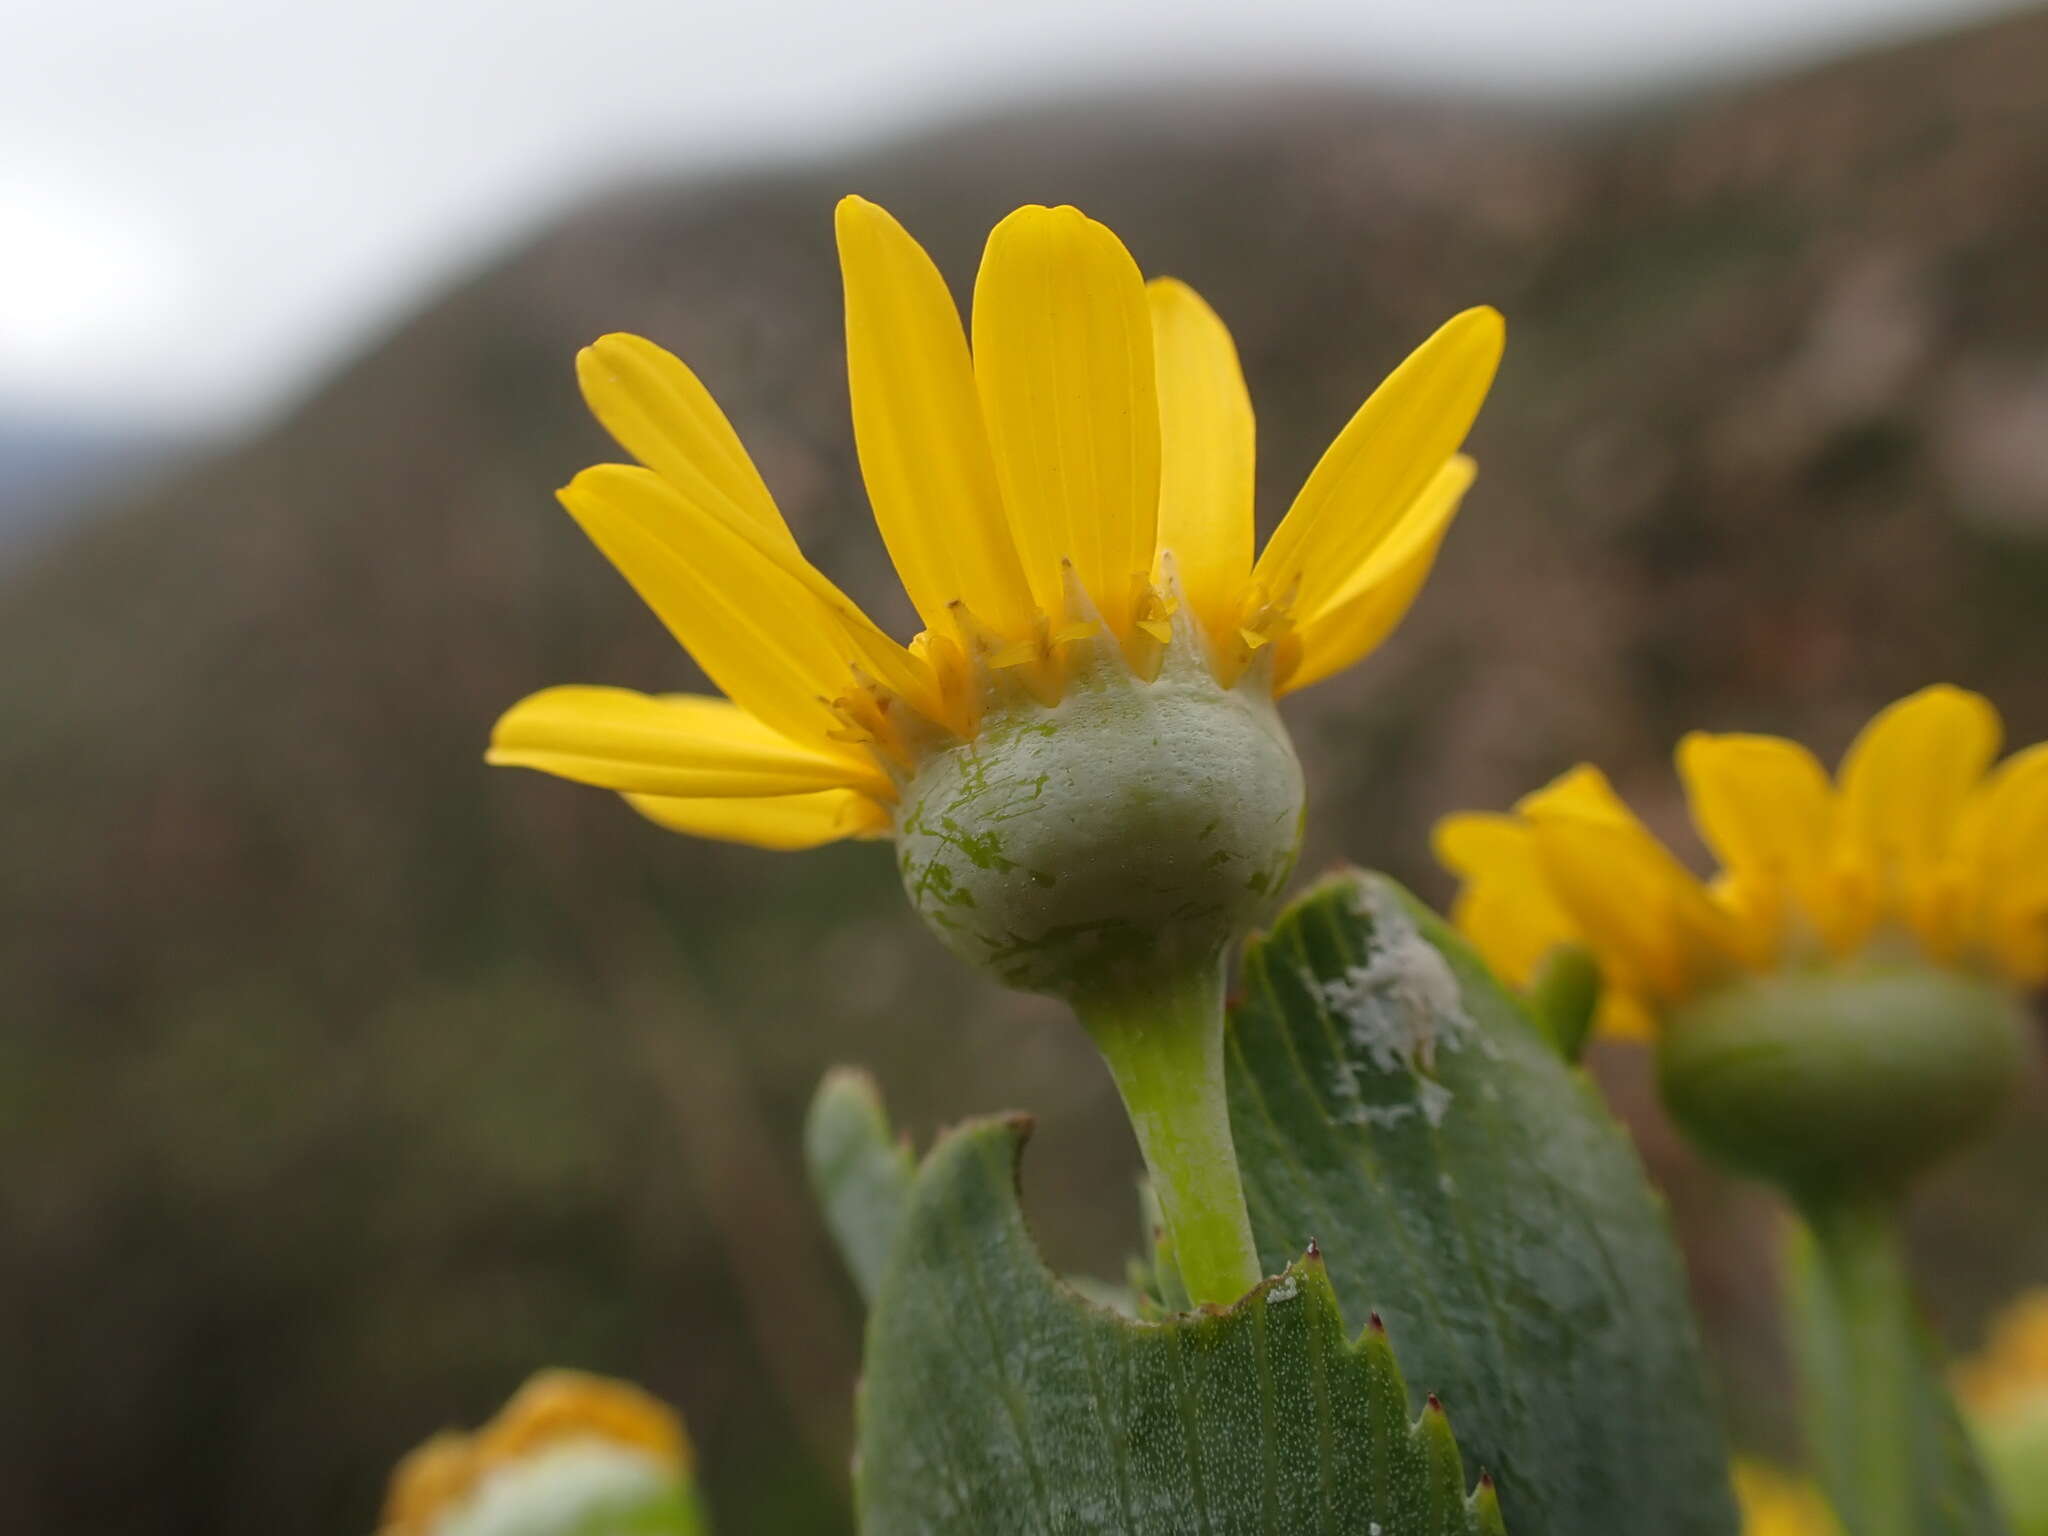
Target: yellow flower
column 2010, row 1374
column 566, row 1441
column 1918, row 847
column 2005, row 1390
column 1080, row 483
column 1773, row 1504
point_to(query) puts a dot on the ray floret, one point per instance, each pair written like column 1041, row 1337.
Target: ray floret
column 1052, row 496
column 1917, row 847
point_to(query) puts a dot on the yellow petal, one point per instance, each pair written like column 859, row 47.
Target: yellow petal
column 1505, row 908
column 1622, row 1015
column 2011, row 1371
column 1648, row 919
column 1765, row 807
column 1584, row 792
column 428, row 1482
column 1063, row 360
column 1513, row 918
column 560, row 1405
column 917, row 424
column 658, row 411
column 1477, row 844
column 765, row 626
column 1381, row 462
column 1773, row 1504
column 1381, row 591
column 2001, row 858
column 1512, row 932
column 683, row 744
column 1207, row 446
column 1650, row 931
column 1904, row 783
column 786, row 822
column 2023, row 951
column 1763, row 804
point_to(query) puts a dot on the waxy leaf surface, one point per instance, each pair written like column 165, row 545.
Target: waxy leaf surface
column 1392, row 1101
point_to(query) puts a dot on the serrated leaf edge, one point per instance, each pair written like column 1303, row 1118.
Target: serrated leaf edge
column 1430, row 1429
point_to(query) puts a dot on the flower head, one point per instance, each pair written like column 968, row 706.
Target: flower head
column 567, row 1449
column 1073, row 492
column 1836, row 1009
column 1078, row 755
column 2010, row 1374
column 1916, row 847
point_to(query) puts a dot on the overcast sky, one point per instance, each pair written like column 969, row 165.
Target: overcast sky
column 202, row 201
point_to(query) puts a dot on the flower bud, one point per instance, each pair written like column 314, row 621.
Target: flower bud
column 1132, row 827
column 1845, row 1081
column 571, row 1454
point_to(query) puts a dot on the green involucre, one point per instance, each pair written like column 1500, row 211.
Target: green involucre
column 1132, row 829
column 1845, row 1081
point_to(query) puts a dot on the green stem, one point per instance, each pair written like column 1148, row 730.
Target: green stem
column 1862, row 1364
column 1164, row 1046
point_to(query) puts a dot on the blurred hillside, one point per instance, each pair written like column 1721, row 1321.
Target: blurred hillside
column 50, row 466
column 342, row 1080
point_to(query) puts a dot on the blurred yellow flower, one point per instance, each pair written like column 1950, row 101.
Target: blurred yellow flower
column 1917, row 846
column 2011, row 1371
column 1774, row 1504
column 565, row 1440
column 1071, row 485
column 2004, row 1388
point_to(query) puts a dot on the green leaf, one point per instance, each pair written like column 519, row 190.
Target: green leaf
column 996, row 1400
column 860, row 1173
column 1392, row 1101
column 1466, row 1185
column 1847, row 1347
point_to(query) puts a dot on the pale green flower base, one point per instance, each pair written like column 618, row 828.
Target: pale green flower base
column 1104, row 843
column 1842, row 1082
column 579, row 1488
column 1841, row 1085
